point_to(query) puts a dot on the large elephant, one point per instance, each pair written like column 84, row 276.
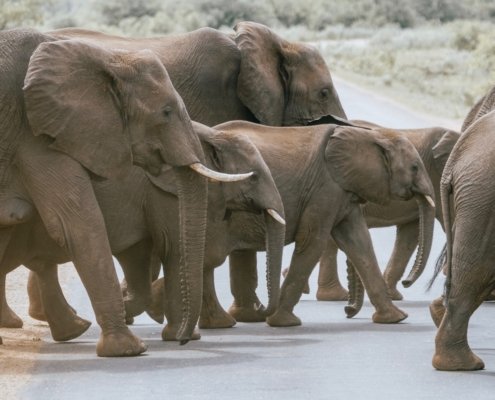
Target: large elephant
column 71, row 110
column 251, row 74
column 434, row 146
column 140, row 214
column 467, row 200
column 323, row 174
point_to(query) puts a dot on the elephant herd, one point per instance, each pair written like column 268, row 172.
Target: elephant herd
column 180, row 151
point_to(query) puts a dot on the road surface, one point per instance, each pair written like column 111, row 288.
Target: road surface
column 328, row 357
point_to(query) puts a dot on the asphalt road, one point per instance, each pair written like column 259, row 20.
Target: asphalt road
column 328, row 357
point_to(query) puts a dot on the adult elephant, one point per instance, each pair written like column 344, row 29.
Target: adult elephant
column 251, row 74
column 71, row 110
column 467, row 199
column 141, row 213
column 323, row 174
column 434, row 146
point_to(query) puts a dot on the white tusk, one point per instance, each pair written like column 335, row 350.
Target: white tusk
column 430, row 200
column 275, row 215
column 219, row 176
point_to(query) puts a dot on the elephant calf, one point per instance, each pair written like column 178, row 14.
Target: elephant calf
column 434, row 146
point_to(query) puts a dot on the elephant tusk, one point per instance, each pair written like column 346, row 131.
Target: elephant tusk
column 275, row 215
column 430, row 201
column 219, row 176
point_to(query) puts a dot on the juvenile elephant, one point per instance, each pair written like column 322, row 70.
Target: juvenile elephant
column 141, row 211
column 323, row 174
column 251, row 74
column 69, row 111
column 434, row 146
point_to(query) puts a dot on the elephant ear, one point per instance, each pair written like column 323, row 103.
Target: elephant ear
column 357, row 159
column 71, row 95
column 260, row 84
column 165, row 181
column 443, row 148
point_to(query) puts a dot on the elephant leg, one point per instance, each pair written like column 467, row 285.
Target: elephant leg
column 353, row 237
column 246, row 306
column 136, row 264
column 36, row 308
column 62, row 192
column 406, row 242
column 452, row 351
column 329, row 287
column 8, row 318
column 437, row 310
column 63, row 321
column 302, row 264
column 212, row 314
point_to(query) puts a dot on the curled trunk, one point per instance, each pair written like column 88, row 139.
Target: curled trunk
column 192, row 191
column 275, row 238
column 426, row 221
column 356, row 291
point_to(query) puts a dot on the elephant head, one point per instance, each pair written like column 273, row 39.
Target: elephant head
column 281, row 82
column 108, row 109
column 381, row 165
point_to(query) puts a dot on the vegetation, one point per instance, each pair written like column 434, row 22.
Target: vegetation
column 437, row 54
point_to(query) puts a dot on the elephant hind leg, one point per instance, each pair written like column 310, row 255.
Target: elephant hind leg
column 452, row 351
column 329, row 287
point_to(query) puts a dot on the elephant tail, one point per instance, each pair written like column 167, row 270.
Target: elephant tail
column 445, row 195
column 439, row 265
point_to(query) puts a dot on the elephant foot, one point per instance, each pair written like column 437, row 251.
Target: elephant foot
column 156, row 315
column 216, row 320
column 464, row 360
column 70, row 331
column 247, row 314
column 37, row 312
column 332, row 293
column 391, row 315
column 169, row 334
column 283, row 318
column 437, row 311
column 395, row 294
column 119, row 344
column 134, row 307
column 9, row 318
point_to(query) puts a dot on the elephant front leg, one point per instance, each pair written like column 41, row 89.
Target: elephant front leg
column 329, row 287
column 212, row 314
column 246, row 306
column 62, row 192
column 63, row 321
column 406, row 242
column 302, row 264
column 136, row 264
column 8, row 318
column 352, row 236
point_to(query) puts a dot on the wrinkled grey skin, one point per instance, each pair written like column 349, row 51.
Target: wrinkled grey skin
column 434, row 146
column 252, row 74
column 483, row 106
column 322, row 191
column 141, row 211
column 467, row 200
column 70, row 111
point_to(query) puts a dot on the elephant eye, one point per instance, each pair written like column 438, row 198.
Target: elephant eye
column 254, row 177
column 167, row 111
column 324, row 93
column 414, row 168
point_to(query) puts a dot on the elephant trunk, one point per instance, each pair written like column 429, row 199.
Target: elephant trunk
column 275, row 239
column 426, row 222
column 356, row 291
column 193, row 193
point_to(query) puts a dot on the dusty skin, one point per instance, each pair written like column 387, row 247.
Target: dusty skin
column 21, row 346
